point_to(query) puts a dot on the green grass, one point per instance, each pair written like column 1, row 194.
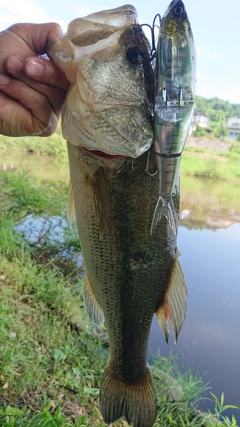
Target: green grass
column 51, row 357
column 53, row 145
column 195, row 161
column 204, row 195
column 212, row 164
column 21, row 199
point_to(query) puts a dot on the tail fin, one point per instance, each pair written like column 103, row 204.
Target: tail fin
column 164, row 207
column 136, row 402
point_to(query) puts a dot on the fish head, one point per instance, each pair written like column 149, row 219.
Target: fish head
column 106, row 57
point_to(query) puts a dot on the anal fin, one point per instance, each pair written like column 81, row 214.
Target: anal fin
column 174, row 305
column 91, row 306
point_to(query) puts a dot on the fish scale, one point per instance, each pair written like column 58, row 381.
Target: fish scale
column 130, row 273
column 127, row 291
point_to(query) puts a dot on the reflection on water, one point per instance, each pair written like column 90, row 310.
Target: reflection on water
column 41, row 168
column 209, row 243
column 209, row 204
column 50, row 234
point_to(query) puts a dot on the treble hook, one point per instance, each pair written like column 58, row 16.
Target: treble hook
column 147, row 166
column 152, row 29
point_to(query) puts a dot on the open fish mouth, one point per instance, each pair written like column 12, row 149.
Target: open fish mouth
column 104, row 154
column 108, row 64
column 94, row 134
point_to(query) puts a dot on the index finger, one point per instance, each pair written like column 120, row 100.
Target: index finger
column 44, row 71
column 36, row 36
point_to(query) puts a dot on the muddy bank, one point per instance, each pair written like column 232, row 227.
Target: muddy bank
column 208, row 144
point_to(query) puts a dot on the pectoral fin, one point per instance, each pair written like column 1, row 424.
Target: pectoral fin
column 174, row 305
column 100, row 199
column 70, row 209
column 91, row 306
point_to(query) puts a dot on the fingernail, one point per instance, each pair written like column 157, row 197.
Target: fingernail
column 15, row 64
column 34, row 68
column 4, row 80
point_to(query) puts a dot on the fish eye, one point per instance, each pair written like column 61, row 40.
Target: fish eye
column 135, row 55
column 178, row 10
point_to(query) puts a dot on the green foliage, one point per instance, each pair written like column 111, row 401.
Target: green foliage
column 212, row 164
column 21, row 199
column 218, row 112
column 53, row 145
column 199, row 132
column 216, row 108
column 235, row 149
column 48, row 416
column 41, row 347
column 52, row 359
column 201, row 167
column 219, row 406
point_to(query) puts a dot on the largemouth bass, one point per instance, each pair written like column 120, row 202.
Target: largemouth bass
column 174, row 102
column 130, row 274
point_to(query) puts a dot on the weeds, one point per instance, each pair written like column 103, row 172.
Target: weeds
column 37, row 216
column 51, row 358
column 209, row 164
column 219, row 408
column 20, row 197
column 53, row 145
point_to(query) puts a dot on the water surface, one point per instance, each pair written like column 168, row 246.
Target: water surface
column 209, row 243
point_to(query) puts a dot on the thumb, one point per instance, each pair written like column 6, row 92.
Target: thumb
column 37, row 36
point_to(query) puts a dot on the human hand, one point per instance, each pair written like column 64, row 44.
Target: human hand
column 32, row 89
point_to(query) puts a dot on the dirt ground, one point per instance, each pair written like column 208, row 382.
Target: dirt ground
column 209, row 144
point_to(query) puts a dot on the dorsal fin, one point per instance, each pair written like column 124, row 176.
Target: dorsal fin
column 174, row 305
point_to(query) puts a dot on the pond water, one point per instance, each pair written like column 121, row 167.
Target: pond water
column 209, row 243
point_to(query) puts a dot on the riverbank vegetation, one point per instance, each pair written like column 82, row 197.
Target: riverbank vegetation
column 218, row 111
column 51, row 357
column 196, row 161
column 213, row 164
column 51, row 145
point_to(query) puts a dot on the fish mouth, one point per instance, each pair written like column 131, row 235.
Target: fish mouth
column 104, row 154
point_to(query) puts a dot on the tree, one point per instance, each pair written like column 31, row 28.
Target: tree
column 218, row 112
